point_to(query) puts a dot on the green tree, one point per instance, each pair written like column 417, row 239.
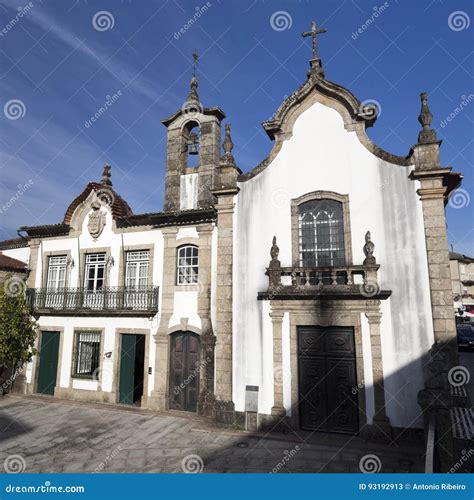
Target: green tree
column 17, row 328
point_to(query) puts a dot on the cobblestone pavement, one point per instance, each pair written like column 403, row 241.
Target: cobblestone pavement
column 42, row 435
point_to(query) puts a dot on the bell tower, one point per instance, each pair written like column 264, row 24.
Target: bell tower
column 192, row 153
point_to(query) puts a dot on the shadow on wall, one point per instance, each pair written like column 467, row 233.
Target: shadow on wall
column 281, row 446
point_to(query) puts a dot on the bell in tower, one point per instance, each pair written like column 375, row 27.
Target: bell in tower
column 192, row 153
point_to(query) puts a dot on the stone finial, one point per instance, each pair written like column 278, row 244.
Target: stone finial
column 193, row 95
column 427, row 134
column 369, row 251
column 228, row 146
column 274, row 251
column 106, row 175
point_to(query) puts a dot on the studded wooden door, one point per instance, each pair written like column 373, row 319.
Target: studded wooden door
column 184, row 371
column 327, row 379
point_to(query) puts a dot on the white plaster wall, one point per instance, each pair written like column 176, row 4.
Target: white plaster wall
column 322, row 155
column 22, row 254
column 109, row 324
column 188, row 191
column 116, row 242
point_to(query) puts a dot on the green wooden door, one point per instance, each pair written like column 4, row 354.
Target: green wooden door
column 48, row 362
column 127, row 369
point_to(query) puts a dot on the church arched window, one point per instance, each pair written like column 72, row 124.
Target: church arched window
column 321, row 233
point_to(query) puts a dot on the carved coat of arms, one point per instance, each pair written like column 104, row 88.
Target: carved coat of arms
column 96, row 222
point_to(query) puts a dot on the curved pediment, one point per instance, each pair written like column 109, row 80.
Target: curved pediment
column 118, row 206
column 356, row 117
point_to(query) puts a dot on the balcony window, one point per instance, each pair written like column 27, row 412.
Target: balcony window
column 188, row 265
column 321, row 233
column 87, row 354
column 56, row 279
column 56, row 272
column 95, row 272
column 136, row 274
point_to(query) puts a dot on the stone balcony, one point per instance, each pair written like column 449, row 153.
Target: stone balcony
column 351, row 282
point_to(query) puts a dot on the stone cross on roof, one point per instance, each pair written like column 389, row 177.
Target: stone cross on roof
column 313, row 34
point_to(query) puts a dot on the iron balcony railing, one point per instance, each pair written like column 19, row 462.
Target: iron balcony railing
column 107, row 299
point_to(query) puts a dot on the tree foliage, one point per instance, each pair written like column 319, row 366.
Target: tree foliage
column 17, row 327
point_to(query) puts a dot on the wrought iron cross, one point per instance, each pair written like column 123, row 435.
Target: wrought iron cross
column 313, row 33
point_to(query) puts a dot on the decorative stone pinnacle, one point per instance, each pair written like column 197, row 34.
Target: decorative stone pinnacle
column 193, row 95
column 369, row 251
column 427, row 135
column 228, row 146
column 106, row 175
column 274, row 263
column 274, row 251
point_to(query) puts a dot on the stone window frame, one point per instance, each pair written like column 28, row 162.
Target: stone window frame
column 81, row 274
column 74, row 376
column 178, row 248
column 150, row 247
column 45, row 263
column 320, row 195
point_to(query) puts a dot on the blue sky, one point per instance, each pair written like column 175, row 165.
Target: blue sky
column 61, row 68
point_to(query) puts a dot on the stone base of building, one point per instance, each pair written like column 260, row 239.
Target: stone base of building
column 85, row 395
column 224, row 413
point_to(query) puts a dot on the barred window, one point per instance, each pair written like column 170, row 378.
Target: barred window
column 321, row 233
column 87, row 353
column 136, row 274
column 188, row 265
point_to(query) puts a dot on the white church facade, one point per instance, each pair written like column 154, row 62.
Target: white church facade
column 304, row 293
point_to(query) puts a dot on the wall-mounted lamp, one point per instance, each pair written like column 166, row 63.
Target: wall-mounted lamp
column 108, row 355
column 70, row 262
